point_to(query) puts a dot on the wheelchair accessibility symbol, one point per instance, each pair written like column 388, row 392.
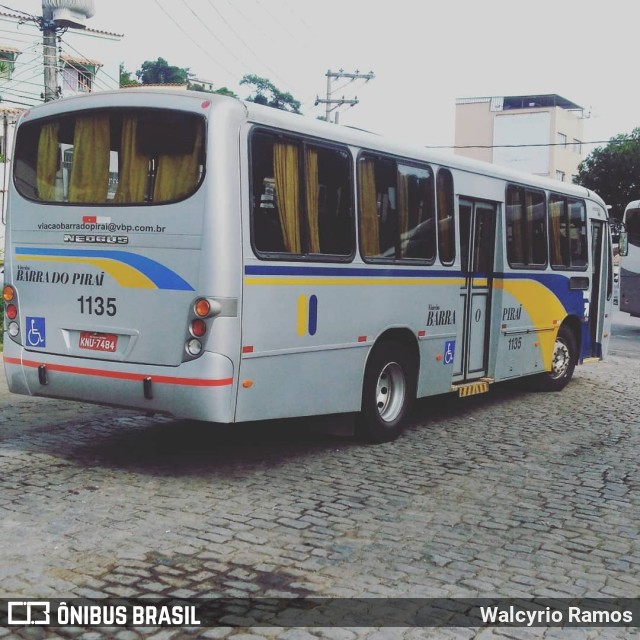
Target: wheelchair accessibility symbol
column 36, row 332
column 449, row 351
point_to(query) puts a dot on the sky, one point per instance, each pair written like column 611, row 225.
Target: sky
column 424, row 54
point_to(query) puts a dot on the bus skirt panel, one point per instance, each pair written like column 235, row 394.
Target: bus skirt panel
column 202, row 389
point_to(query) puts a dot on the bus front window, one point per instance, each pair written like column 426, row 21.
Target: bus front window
column 138, row 156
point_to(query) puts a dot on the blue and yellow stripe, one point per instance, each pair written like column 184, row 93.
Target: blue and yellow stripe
column 128, row 269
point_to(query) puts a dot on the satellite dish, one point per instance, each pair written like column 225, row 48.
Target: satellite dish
column 70, row 13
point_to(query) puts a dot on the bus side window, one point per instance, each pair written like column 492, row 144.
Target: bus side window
column 578, row 233
column 267, row 230
column 526, row 227
column 446, row 224
column 416, row 209
column 328, row 201
column 301, row 198
column 567, row 233
column 396, row 210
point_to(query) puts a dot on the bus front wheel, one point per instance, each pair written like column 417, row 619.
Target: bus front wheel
column 563, row 361
column 388, row 392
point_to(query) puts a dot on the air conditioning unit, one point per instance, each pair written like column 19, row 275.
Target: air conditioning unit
column 70, row 13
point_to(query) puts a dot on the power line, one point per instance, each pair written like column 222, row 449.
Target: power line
column 250, row 49
column 522, row 146
column 24, row 13
column 206, row 26
column 191, row 39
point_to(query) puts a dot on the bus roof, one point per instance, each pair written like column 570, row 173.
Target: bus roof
column 268, row 116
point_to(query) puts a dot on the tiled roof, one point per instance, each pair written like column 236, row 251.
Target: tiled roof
column 164, row 85
column 79, row 60
column 28, row 18
column 11, row 110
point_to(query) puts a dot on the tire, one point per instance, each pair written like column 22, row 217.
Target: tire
column 388, row 392
column 563, row 361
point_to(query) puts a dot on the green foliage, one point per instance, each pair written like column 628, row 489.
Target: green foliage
column 613, row 171
column 265, row 92
column 161, row 72
column 194, row 86
column 125, row 77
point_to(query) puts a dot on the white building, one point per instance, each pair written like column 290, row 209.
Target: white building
column 84, row 60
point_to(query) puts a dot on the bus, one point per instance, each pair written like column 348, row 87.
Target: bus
column 630, row 265
column 224, row 261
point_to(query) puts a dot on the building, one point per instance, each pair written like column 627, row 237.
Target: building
column 540, row 134
column 83, row 60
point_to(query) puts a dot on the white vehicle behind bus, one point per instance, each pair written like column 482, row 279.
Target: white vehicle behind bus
column 630, row 262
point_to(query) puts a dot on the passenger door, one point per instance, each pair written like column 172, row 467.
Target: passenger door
column 601, row 287
column 477, row 242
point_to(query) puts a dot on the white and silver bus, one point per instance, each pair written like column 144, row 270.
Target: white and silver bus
column 630, row 263
column 223, row 261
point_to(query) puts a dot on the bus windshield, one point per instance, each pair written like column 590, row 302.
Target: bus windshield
column 115, row 156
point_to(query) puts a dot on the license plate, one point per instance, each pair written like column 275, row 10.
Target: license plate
column 98, row 341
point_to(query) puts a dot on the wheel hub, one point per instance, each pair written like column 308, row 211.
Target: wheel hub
column 390, row 391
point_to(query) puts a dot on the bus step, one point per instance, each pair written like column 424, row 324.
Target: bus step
column 591, row 360
column 472, row 388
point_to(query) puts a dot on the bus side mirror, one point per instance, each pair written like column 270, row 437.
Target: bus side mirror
column 623, row 244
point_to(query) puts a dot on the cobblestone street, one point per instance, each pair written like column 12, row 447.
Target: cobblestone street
column 509, row 494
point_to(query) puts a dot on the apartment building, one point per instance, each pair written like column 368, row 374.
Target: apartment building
column 539, row 134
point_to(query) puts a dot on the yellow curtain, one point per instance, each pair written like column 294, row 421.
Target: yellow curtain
column 133, row 168
column 177, row 175
column 312, row 200
column 89, row 179
column 403, row 204
column 285, row 169
column 47, row 165
column 445, row 220
column 369, row 225
column 555, row 214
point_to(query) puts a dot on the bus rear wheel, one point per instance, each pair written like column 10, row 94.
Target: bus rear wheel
column 563, row 361
column 388, row 392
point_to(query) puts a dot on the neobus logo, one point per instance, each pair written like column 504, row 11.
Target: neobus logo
column 84, row 239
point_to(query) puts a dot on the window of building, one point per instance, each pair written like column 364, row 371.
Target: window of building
column 576, row 146
column 301, row 197
column 78, row 74
column 568, row 233
column 560, row 175
column 8, row 57
column 397, row 210
column 561, row 139
column 526, row 222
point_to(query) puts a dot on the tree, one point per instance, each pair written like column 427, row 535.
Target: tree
column 613, row 171
column 268, row 94
column 160, row 72
column 224, row 91
column 125, row 77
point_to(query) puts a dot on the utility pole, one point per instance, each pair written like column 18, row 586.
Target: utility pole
column 335, row 103
column 50, row 53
